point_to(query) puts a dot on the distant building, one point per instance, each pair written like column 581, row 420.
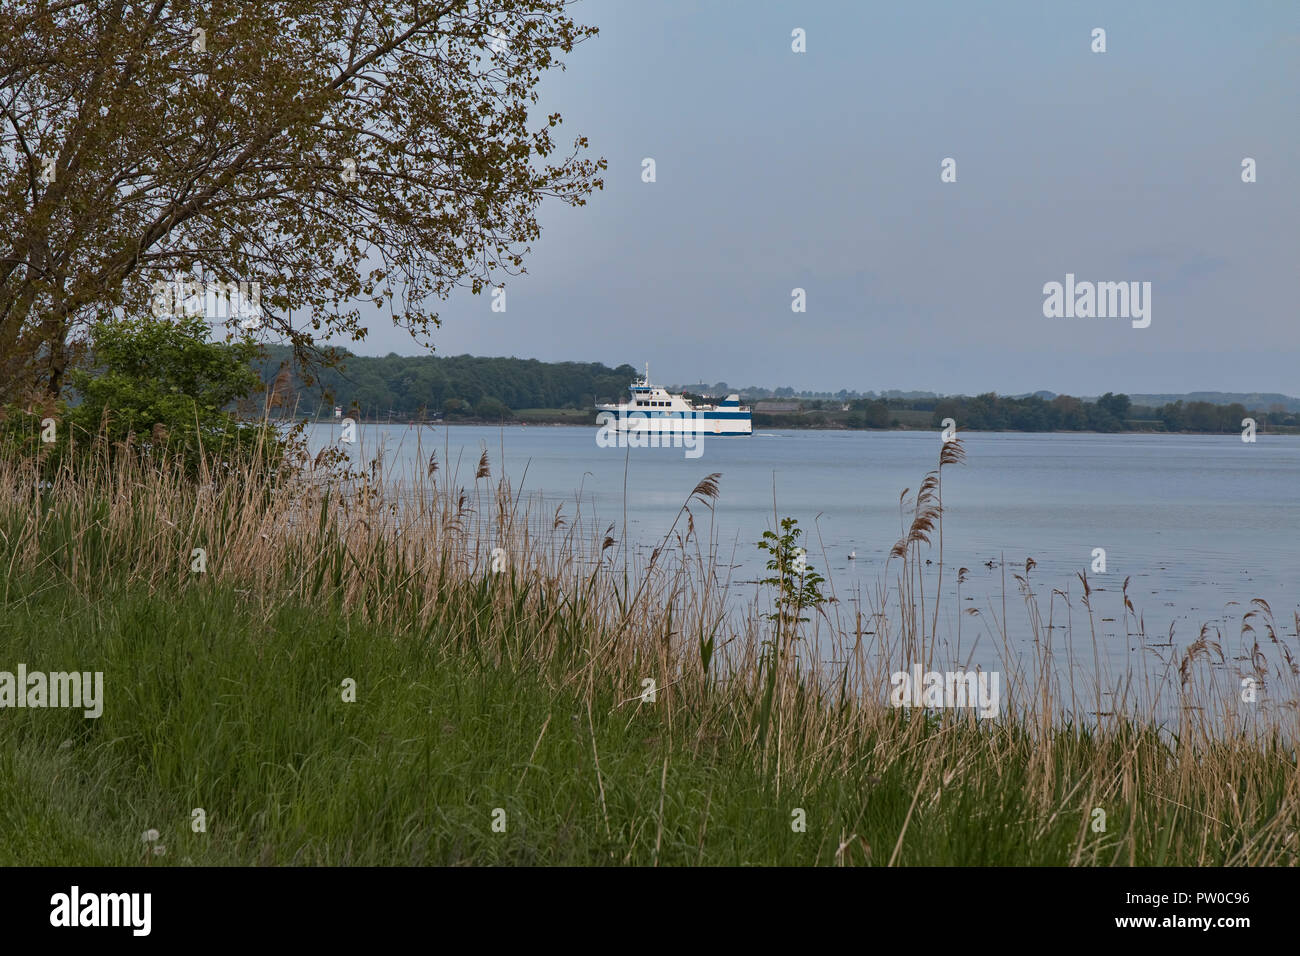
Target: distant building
column 775, row 408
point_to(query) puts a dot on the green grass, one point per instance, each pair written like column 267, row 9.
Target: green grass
column 215, row 701
column 211, row 703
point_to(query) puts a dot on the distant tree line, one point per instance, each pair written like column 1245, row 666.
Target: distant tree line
column 1109, row 413
column 1272, row 401
column 468, row 387
column 992, row 412
column 457, row 386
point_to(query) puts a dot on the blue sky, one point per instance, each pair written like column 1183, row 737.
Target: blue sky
column 820, row 170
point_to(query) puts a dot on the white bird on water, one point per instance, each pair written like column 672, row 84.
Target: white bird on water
column 853, row 555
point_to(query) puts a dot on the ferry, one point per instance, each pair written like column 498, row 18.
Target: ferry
column 655, row 410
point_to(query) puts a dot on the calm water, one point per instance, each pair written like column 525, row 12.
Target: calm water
column 1196, row 522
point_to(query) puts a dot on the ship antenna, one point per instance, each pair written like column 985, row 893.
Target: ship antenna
column 647, row 373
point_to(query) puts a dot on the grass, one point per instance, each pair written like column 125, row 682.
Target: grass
column 216, row 702
column 522, row 691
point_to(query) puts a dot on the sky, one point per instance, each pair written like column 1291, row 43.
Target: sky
column 821, row 170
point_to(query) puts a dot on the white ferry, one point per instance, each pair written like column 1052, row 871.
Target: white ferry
column 655, row 410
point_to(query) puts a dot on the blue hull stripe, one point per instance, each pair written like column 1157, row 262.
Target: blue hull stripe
column 664, row 413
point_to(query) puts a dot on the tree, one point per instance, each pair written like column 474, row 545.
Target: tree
column 491, row 409
column 1101, row 420
column 1069, row 412
column 330, row 152
column 1199, row 416
column 1116, row 406
column 1232, row 416
column 877, row 414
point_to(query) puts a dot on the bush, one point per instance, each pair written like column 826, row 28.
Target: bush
column 151, row 387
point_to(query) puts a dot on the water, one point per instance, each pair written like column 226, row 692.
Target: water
column 1195, row 522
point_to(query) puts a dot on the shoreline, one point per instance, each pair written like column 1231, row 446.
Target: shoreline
column 480, row 423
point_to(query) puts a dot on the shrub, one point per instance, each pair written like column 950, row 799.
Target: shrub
column 151, row 387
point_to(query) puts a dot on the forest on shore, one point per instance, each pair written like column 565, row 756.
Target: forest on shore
column 469, row 388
